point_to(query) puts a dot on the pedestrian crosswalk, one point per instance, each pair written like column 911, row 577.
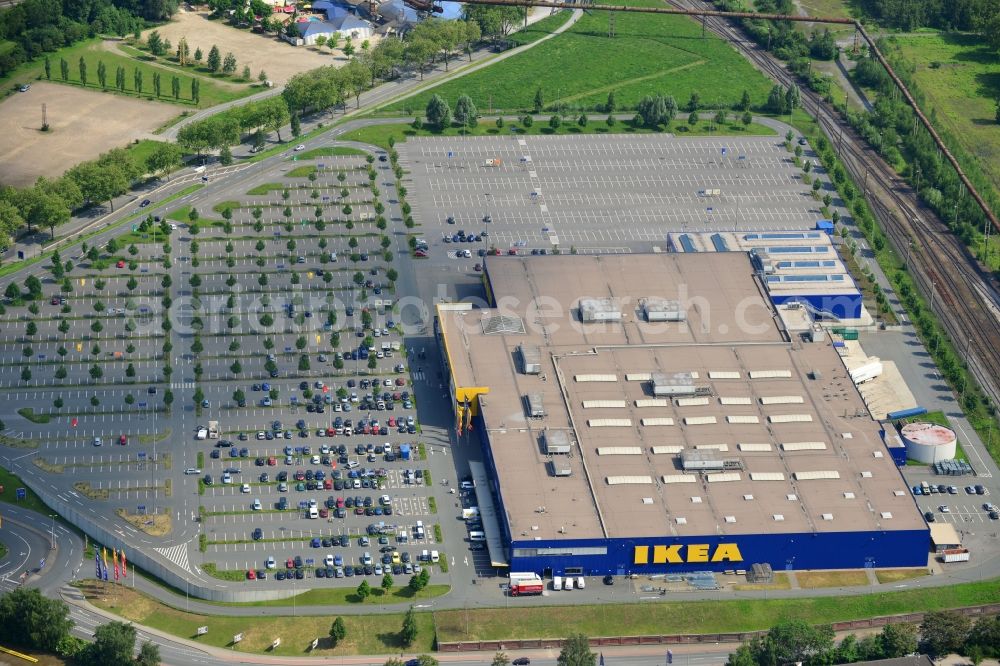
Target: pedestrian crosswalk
column 181, row 385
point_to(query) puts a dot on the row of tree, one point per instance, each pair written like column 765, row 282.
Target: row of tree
column 50, row 202
column 939, row 634
column 30, row 620
column 35, row 27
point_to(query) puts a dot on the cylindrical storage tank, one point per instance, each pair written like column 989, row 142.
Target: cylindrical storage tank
column 928, row 442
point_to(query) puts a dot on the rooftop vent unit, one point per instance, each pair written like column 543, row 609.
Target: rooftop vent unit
column 659, row 309
column 677, row 383
column 599, row 310
column 535, row 408
column 502, row 325
column 555, row 442
column 531, row 359
column 560, row 467
column 701, row 460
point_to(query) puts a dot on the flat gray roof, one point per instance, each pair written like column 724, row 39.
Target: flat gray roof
column 801, row 454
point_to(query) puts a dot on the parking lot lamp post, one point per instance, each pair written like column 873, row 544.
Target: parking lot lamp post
column 52, row 532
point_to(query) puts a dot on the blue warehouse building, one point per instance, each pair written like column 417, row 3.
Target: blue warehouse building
column 650, row 414
column 796, row 266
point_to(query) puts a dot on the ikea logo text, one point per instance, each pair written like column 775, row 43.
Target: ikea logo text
column 695, row 552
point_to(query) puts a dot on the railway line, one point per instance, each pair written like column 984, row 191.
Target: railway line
column 961, row 293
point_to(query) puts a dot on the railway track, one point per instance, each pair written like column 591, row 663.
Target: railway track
column 961, row 293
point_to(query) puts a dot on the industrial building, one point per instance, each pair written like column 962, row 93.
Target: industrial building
column 650, row 413
column 797, row 267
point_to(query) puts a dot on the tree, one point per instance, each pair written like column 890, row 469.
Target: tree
column 438, row 113
column 246, row 73
column 156, row 83
column 742, row 657
column 149, row 655
column 296, row 125
column 175, row 87
column 898, row 640
column 745, row 102
column 113, row 645
column 466, row 113
column 338, row 631
column 83, row 71
column 611, row 104
column 555, row 120
column 102, row 74
column 63, row 69
column 229, row 64
column 500, row 659
column 48, row 69
column 576, row 652
column 792, row 641
column 214, row 61
column 984, row 638
column 694, row 103
column 120, row 78
column 155, row 43
column 943, row 632
column 792, row 98
column 408, row 633
column 387, row 583
column 198, row 55
column 747, row 119
column 28, row 618
column 262, row 77
column 776, row 100
column 137, row 81
column 195, row 90
column 693, row 119
column 163, row 158
column 539, row 101
column 364, row 590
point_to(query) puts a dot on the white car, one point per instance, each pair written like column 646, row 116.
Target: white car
column 269, row 562
column 944, row 508
column 245, row 488
column 192, row 470
column 328, row 560
column 256, row 505
column 299, row 147
column 226, row 478
column 97, row 441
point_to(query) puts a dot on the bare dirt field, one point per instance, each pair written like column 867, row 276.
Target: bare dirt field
column 84, row 124
column 261, row 52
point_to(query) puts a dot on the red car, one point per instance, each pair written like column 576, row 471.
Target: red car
column 272, row 461
column 330, row 432
column 420, row 253
column 121, row 263
column 289, row 563
column 324, row 513
column 123, row 440
column 400, row 381
column 251, row 574
column 327, row 485
column 392, row 421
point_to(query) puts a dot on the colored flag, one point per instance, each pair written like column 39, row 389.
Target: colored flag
column 114, row 558
column 97, row 562
column 467, row 415
column 104, row 559
column 124, row 567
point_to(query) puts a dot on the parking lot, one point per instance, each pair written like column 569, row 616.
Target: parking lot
column 608, row 194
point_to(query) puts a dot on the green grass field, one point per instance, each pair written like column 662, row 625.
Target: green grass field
column 960, row 78
column 366, row 634
column 378, row 135
column 649, row 54
column 92, row 52
column 698, row 617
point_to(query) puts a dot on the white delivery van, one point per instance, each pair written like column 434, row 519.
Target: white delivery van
column 568, row 583
column 435, row 556
column 313, row 512
column 557, row 582
column 477, row 536
column 579, row 583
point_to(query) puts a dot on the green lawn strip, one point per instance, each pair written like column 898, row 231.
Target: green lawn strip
column 302, row 171
column 202, row 72
column 649, row 54
column 330, row 151
column 181, row 215
column 704, row 617
column 379, row 134
column 29, row 413
column 231, row 575
column 366, row 634
column 10, row 484
column 342, row 596
column 18, row 265
column 223, row 205
column 266, row 188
